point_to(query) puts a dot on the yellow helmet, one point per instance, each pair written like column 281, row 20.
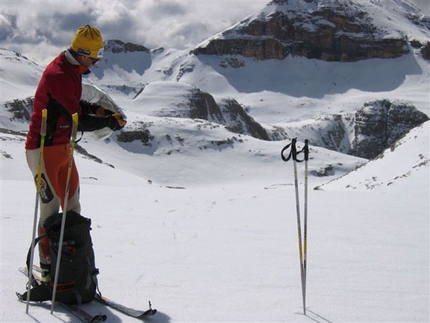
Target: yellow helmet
column 88, row 41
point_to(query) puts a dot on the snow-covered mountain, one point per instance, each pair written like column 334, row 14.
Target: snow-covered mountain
column 189, row 102
column 191, row 202
column 265, row 97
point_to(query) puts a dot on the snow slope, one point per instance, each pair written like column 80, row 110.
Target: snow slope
column 203, row 223
column 225, row 250
column 210, row 235
column 409, row 154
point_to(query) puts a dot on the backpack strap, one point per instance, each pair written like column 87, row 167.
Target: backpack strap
column 63, row 112
column 36, row 241
column 27, row 262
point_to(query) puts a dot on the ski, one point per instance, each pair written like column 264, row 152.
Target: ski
column 83, row 315
column 138, row 314
column 76, row 310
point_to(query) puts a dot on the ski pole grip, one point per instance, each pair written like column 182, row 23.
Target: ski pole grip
column 285, row 159
column 306, row 149
column 293, row 151
column 43, row 126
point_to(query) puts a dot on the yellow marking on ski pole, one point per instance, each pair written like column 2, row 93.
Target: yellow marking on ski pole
column 42, row 146
column 75, row 119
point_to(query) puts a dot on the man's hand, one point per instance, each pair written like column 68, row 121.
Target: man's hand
column 101, row 112
column 119, row 119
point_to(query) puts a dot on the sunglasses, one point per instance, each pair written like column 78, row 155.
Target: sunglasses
column 95, row 60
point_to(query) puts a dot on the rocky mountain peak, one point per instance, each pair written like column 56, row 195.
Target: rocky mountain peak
column 330, row 30
column 117, row 46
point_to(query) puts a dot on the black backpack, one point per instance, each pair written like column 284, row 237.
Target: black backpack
column 77, row 278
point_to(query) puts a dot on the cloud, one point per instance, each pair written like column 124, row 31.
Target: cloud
column 41, row 29
column 7, row 26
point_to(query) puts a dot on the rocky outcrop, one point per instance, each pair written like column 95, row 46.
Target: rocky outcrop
column 379, row 124
column 230, row 114
column 202, row 105
column 366, row 133
column 20, row 109
column 117, row 46
column 341, row 33
column 143, row 135
column 425, row 51
column 241, row 122
column 424, row 47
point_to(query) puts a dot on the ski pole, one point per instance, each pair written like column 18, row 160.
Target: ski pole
column 66, row 200
column 299, row 228
column 302, row 244
column 305, row 233
column 36, row 206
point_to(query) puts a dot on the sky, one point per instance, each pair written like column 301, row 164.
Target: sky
column 39, row 30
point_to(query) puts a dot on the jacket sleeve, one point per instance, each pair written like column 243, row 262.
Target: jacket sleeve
column 89, row 122
column 88, row 107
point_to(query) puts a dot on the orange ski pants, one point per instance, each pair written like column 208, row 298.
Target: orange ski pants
column 53, row 187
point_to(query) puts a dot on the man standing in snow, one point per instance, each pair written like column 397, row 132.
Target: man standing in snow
column 59, row 91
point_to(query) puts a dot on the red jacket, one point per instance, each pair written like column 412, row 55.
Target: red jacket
column 62, row 81
column 59, row 91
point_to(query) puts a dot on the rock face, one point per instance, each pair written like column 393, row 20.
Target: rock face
column 379, row 124
column 200, row 106
column 425, row 50
column 230, row 113
column 376, row 126
column 339, row 31
column 20, row 109
column 372, row 129
column 117, row 46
